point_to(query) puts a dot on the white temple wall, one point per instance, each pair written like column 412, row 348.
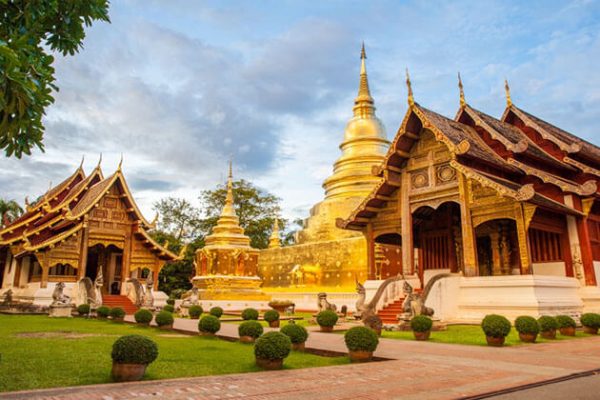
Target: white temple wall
column 549, row 268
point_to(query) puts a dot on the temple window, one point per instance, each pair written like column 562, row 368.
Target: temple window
column 594, row 230
column 546, row 246
column 62, row 270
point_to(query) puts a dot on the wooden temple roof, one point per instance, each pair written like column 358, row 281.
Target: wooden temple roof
column 521, row 167
column 60, row 213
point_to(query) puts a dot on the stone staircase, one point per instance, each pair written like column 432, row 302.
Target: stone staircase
column 389, row 313
column 119, row 301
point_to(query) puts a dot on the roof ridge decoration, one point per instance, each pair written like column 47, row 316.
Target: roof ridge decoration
column 154, row 243
column 461, row 90
column 507, row 93
column 411, row 99
column 583, row 167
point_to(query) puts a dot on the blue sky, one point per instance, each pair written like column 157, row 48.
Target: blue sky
column 180, row 86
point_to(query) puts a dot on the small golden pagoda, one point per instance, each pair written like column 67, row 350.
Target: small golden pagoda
column 226, row 267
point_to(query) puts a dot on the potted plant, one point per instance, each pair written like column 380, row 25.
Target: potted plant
column 327, row 320
column 250, row 314
column 143, row 317
column 421, row 326
column 249, row 331
column 281, row 305
column 83, row 310
column 297, row 334
column 272, row 317
column 496, row 328
column 270, row 349
column 117, row 314
column 131, row 355
column 590, row 322
column 195, row 312
column 361, row 343
column 169, row 308
column 103, row 312
column 164, row 320
column 216, row 311
column 209, row 325
column 528, row 328
column 566, row 325
column 548, row 327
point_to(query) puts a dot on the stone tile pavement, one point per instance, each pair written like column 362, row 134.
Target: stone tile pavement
column 416, row 370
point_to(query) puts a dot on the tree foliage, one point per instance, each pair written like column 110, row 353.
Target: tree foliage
column 29, row 30
column 178, row 218
column 9, row 211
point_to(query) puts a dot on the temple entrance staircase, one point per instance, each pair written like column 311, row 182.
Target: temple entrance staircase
column 111, row 300
column 389, row 314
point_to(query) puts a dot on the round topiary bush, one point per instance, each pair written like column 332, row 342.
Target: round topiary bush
column 103, row 311
column 271, row 316
column 195, row 312
column 143, row 316
column 296, row 333
column 216, row 311
column 590, row 320
column 83, row 309
column 117, row 313
column 495, row 326
column 250, row 314
column 421, row 323
column 169, row 308
column 272, row 346
column 527, row 325
column 250, row 328
column 164, row 318
column 564, row 321
column 209, row 324
column 134, row 349
column 327, row 318
column 547, row 323
column 361, row 338
column 171, row 302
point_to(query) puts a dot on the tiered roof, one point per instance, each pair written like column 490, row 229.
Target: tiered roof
column 520, row 156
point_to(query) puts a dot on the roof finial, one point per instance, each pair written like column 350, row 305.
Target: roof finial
column 274, row 240
column 411, row 99
column 462, row 92
column 230, row 168
column 363, row 54
column 364, row 93
column 81, row 163
column 120, row 163
column 99, row 161
column 507, row 90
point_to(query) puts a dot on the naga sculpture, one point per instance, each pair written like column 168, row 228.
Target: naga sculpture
column 58, row 297
column 323, row 304
column 91, row 293
column 414, row 304
column 148, row 296
column 190, row 298
column 135, row 291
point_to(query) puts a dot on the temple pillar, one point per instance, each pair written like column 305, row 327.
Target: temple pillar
column 370, row 252
column 126, row 260
column 468, row 233
column 83, row 249
column 45, row 270
column 579, row 242
column 156, row 272
column 523, row 239
column 495, row 244
column 406, row 229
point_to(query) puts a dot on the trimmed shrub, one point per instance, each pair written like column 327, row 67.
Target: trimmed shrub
column 591, row 320
column 171, row 302
column 272, row 346
column 195, row 312
column 296, row 333
column 421, row 323
column 527, row 325
column 83, row 309
column 250, row 328
column 169, row 308
column 495, row 326
column 164, row 318
column 143, row 316
column 117, row 313
column 327, row 318
column 361, row 338
column 271, row 316
column 209, row 324
column 250, row 314
column 564, row 321
column 547, row 323
column 134, row 349
column 103, row 311
column 216, row 311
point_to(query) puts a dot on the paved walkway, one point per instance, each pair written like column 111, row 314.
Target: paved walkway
column 417, row 370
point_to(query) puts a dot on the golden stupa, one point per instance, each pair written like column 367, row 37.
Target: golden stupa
column 227, row 266
column 326, row 256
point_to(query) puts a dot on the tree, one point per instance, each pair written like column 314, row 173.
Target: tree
column 28, row 28
column 178, row 218
column 9, row 211
column 255, row 208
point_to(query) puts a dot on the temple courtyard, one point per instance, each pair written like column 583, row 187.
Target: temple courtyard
column 38, row 352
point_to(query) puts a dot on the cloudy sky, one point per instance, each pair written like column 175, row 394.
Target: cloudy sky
column 178, row 87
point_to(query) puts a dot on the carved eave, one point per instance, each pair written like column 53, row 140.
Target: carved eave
column 29, row 247
column 160, row 251
column 518, row 147
column 583, row 167
column 138, row 214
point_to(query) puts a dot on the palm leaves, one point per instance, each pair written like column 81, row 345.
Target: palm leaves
column 9, row 211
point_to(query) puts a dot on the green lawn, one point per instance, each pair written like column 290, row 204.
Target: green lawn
column 41, row 352
column 471, row 335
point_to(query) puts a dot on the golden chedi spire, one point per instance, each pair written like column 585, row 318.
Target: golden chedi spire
column 228, row 232
column 274, row 240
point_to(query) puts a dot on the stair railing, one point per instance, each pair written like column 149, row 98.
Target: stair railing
column 388, row 292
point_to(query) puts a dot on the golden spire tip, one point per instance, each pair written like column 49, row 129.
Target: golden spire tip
column 507, row 90
column 120, row 163
column 81, row 163
column 99, row 161
column 411, row 99
column 462, row 92
column 363, row 53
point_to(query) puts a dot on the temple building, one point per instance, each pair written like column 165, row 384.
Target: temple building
column 326, row 256
column 506, row 208
column 83, row 227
